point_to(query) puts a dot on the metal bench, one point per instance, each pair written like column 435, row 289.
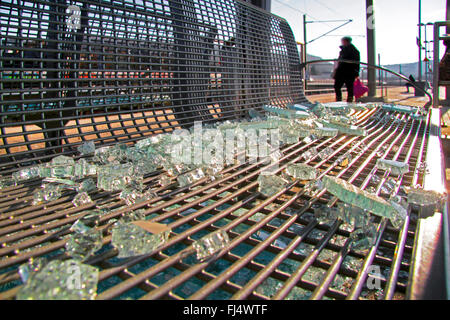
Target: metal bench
column 131, row 69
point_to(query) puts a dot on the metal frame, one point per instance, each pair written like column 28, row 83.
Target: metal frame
column 436, row 60
column 277, row 247
column 432, row 254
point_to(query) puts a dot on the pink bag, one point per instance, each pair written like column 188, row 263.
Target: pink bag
column 359, row 89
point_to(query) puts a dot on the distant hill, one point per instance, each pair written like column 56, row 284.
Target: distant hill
column 408, row 68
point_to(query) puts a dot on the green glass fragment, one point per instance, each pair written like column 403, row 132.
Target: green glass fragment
column 61, row 280
column 211, row 244
column 132, row 240
column 301, row 171
column 271, row 184
column 352, row 195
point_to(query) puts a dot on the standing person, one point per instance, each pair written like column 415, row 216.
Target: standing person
column 346, row 73
column 409, row 84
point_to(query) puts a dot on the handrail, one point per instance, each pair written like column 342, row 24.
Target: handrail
column 304, row 64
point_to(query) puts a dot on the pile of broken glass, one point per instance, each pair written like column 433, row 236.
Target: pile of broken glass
column 121, row 168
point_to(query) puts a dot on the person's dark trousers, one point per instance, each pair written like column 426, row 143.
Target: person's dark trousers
column 339, row 83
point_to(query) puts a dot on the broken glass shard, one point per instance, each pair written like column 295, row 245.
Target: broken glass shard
column 363, row 239
column 84, row 243
column 325, row 132
column 423, row 168
column 325, row 153
column 398, row 220
column 309, row 139
column 310, row 154
column 400, row 108
column 47, row 193
column 138, row 237
column 61, row 280
column 301, row 171
column 89, row 220
column 354, row 216
column 83, row 169
column 397, row 168
column 271, row 184
column 285, row 113
column 189, row 178
column 7, row 182
column 64, row 183
column 424, row 198
column 325, row 214
column 351, row 215
column 345, row 128
column 87, row 185
column 350, row 194
column 117, row 177
column 288, row 137
column 298, row 107
column 174, row 170
column 211, row 244
column 81, row 199
column 87, row 148
column 389, row 186
column 28, row 269
column 26, row 174
column 312, row 188
column 59, row 167
column 111, row 155
column 131, row 196
column 136, row 215
column 80, row 226
column 254, row 114
column 164, row 180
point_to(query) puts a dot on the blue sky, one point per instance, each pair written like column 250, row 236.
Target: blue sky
column 396, row 25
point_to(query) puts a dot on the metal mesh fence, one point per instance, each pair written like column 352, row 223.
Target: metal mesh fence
column 110, row 71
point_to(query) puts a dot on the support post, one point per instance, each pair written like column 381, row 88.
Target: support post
column 419, row 44
column 371, row 72
column 305, row 51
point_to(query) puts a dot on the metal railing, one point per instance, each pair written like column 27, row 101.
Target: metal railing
column 430, row 97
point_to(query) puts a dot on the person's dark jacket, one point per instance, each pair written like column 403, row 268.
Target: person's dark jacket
column 348, row 70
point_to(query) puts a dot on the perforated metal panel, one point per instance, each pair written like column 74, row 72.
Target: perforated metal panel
column 134, row 68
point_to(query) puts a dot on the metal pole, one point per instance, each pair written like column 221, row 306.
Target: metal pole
column 436, row 66
column 305, row 51
column 371, row 72
column 380, row 78
column 420, row 41
column 426, row 54
column 447, row 17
